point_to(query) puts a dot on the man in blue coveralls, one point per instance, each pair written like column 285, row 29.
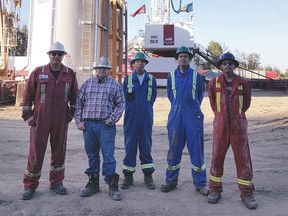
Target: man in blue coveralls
column 185, row 88
column 140, row 91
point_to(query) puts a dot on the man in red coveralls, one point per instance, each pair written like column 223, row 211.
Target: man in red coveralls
column 230, row 97
column 48, row 107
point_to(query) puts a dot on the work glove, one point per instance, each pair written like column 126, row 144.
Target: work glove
column 81, row 126
column 31, row 122
column 69, row 117
column 109, row 122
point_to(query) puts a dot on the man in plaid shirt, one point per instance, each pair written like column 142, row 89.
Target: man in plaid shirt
column 99, row 105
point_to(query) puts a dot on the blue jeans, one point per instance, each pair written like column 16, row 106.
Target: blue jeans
column 98, row 135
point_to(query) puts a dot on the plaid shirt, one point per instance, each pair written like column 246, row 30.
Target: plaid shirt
column 99, row 100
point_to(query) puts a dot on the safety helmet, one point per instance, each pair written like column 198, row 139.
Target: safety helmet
column 228, row 56
column 58, row 47
column 183, row 49
column 102, row 62
column 139, row 56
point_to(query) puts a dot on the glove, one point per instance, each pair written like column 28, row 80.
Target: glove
column 81, row 126
column 69, row 117
column 31, row 122
column 109, row 122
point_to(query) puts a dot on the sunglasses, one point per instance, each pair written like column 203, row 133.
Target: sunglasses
column 102, row 68
column 229, row 63
column 57, row 53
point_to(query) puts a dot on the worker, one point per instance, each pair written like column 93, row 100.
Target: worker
column 230, row 98
column 140, row 91
column 99, row 105
column 185, row 89
column 48, row 106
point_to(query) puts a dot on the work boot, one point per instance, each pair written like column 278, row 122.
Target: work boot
column 203, row 191
column 214, row 197
column 128, row 180
column 59, row 189
column 168, row 187
column 149, row 183
column 249, row 201
column 113, row 187
column 28, row 194
column 91, row 187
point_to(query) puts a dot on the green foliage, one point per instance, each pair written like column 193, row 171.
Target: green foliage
column 22, row 42
column 215, row 48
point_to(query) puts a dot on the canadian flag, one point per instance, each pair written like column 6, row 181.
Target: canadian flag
column 142, row 9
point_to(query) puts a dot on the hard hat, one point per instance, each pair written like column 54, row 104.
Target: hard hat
column 139, row 56
column 183, row 49
column 227, row 56
column 58, row 47
column 102, row 62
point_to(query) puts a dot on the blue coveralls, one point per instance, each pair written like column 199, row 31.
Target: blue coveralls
column 138, row 121
column 185, row 124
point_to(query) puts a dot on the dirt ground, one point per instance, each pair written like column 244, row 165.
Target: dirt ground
column 268, row 133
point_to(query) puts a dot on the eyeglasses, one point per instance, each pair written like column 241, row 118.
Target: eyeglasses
column 57, row 53
column 229, row 63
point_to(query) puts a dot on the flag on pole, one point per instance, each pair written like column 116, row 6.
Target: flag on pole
column 140, row 10
column 188, row 8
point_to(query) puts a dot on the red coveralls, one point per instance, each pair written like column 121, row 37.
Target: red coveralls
column 230, row 127
column 51, row 100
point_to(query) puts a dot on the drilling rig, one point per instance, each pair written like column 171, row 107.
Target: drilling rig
column 9, row 11
column 9, row 17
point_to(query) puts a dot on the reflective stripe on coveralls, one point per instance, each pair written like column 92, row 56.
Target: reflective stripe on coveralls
column 130, row 86
column 174, row 167
column 244, row 182
column 218, row 96
column 57, row 168
column 198, row 169
column 129, row 168
column 215, row 179
column 147, row 166
column 239, row 181
column 193, row 84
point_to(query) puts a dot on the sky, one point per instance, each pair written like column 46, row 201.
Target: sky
column 246, row 26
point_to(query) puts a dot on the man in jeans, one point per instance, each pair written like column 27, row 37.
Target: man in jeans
column 99, row 105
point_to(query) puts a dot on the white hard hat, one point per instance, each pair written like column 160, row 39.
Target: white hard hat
column 58, row 47
column 102, row 62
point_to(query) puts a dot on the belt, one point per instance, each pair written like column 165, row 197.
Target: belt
column 95, row 119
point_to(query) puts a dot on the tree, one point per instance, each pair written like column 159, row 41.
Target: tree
column 253, row 61
column 215, row 49
column 286, row 73
column 22, row 41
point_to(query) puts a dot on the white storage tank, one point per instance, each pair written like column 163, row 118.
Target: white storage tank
column 71, row 22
